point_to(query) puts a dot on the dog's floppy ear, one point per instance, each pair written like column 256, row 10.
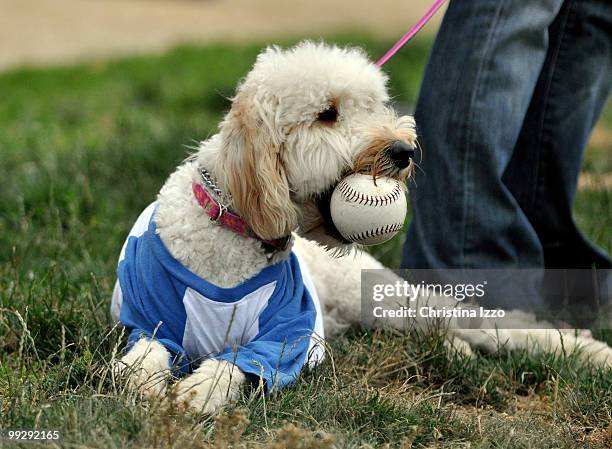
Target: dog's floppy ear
column 250, row 167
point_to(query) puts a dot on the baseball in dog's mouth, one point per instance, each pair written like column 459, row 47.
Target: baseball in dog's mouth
column 323, row 202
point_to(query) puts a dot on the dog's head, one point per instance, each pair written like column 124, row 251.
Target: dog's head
column 302, row 119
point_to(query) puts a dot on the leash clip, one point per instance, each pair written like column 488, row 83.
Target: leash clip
column 222, row 209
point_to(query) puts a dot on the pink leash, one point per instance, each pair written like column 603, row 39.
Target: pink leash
column 410, row 34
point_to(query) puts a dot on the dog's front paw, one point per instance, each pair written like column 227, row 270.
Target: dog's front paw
column 145, row 368
column 210, row 387
column 150, row 385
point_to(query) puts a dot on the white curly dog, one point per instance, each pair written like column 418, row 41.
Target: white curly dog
column 223, row 297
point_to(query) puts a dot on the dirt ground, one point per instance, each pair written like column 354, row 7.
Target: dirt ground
column 58, row 31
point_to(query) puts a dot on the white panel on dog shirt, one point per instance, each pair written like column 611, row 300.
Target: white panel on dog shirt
column 212, row 326
column 139, row 228
column 116, row 302
column 316, row 348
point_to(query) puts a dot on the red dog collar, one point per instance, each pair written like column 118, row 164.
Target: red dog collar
column 219, row 214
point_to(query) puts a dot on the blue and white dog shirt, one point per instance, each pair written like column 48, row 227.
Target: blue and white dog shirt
column 268, row 326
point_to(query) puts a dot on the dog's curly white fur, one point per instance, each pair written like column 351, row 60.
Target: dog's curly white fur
column 277, row 156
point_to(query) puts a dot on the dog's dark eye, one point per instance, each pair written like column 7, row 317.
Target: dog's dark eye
column 330, row 115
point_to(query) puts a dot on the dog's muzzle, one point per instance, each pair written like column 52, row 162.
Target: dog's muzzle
column 400, row 154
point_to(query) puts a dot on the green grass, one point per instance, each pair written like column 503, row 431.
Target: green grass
column 83, row 149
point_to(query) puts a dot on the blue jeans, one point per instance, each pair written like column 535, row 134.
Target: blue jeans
column 510, row 95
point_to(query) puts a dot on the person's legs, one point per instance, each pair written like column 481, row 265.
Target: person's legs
column 477, row 88
column 573, row 86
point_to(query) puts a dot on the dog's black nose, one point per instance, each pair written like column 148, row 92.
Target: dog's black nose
column 400, row 153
